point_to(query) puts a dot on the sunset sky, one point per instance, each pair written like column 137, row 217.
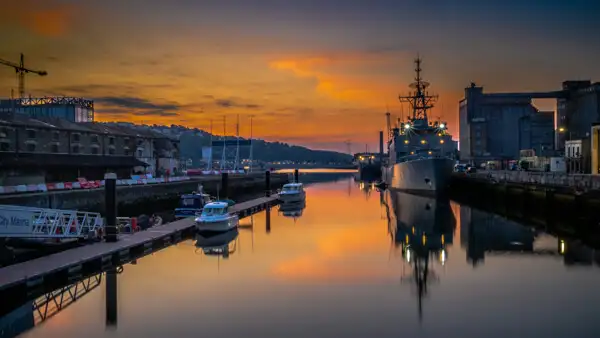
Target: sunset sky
column 314, row 73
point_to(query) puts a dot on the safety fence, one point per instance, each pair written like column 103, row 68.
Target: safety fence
column 82, row 183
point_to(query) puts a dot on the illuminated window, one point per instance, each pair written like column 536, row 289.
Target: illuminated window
column 442, row 141
column 405, row 141
column 423, row 141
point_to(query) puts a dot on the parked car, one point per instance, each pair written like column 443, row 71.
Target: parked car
column 471, row 169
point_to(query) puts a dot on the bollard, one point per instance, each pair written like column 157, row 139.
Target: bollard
column 110, row 202
column 225, row 185
column 268, row 183
column 111, row 298
column 296, row 176
column 268, row 219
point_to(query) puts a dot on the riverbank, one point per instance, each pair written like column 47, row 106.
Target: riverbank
column 137, row 199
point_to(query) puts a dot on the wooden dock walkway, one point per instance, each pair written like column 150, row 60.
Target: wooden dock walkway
column 93, row 257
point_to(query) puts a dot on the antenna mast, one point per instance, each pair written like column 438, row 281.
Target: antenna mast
column 224, row 155
column 237, row 146
column 210, row 155
column 419, row 99
column 251, row 142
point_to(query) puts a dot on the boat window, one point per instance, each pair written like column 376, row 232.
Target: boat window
column 289, row 188
column 213, row 211
column 187, row 202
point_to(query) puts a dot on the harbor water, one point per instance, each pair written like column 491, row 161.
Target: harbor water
column 351, row 262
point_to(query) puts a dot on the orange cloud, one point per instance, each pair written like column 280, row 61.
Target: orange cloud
column 342, row 77
column 46, row 18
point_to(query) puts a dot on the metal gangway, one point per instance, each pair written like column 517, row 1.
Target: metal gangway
column 30, row 222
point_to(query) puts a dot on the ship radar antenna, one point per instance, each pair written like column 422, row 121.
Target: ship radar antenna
column 419, row 99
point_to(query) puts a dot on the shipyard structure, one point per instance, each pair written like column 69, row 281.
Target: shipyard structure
column 502, row 127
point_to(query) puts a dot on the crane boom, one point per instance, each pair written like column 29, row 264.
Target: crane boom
column 21, row 71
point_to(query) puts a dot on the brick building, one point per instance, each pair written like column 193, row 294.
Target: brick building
column 49, row 149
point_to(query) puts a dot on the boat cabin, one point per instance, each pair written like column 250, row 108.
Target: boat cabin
column 215, row 209
column 194, row 201
column 292, row 187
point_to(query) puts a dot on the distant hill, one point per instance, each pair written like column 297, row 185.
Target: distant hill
column 192, row 140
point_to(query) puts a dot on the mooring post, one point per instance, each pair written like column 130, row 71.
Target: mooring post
column 111, row 298
column 296, row 176
column 267, row 183
column 110, row 202
column 225, row 185
column 268, row 218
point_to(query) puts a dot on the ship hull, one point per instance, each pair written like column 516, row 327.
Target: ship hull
column 369, row 172
column 430, row 175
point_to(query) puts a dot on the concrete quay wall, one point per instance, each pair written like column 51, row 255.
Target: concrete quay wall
column 156, row 196
column 578, row 181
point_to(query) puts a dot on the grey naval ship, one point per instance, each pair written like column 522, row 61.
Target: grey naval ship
column 421, row 153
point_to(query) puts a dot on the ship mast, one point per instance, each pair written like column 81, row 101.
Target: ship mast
column 419, row 100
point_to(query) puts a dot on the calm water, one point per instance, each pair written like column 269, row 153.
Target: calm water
column 351, row 266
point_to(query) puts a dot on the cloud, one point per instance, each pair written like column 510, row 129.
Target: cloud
column 230, row 103
column 349, row 77
column 50, row 18
column 136, row 106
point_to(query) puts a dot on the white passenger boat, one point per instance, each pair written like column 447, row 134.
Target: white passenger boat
column 216, row 217
column 292, row 192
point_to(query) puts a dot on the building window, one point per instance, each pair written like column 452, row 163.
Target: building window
column 54, row 148
column 30, row 133
column 139, row 142
column 111, row 141
column 30, row 147
column 76, row 137
column 140, row 153
column 4, row 146
column 75, row 150
column 127, row 152
column 55, row 136
column 94, row 150
column 111, row 151
column 3, row 133
column 94, row 139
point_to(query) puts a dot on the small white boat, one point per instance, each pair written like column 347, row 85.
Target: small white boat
column 292, row 192
column 216, row 217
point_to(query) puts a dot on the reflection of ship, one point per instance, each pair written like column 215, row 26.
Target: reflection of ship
column 422, row 226
column 365, row 186
column 292, row 209
column 218, row 244
column 420, row 152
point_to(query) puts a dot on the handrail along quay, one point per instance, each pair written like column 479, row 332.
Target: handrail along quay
column 19, row 280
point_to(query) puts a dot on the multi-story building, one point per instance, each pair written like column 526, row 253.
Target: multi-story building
column 577, row 111
column 50, row 149
column 158, row 150
column 73, row 109
column 577, row 156
column 498, row 126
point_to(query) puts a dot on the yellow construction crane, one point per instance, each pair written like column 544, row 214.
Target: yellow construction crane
column 21, row 71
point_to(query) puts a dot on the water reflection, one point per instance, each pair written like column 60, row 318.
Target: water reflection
column 338, row 276
column 422, row 227
column 484, row 234
column 221, row 244
column 292, row 209
column 45, row 307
